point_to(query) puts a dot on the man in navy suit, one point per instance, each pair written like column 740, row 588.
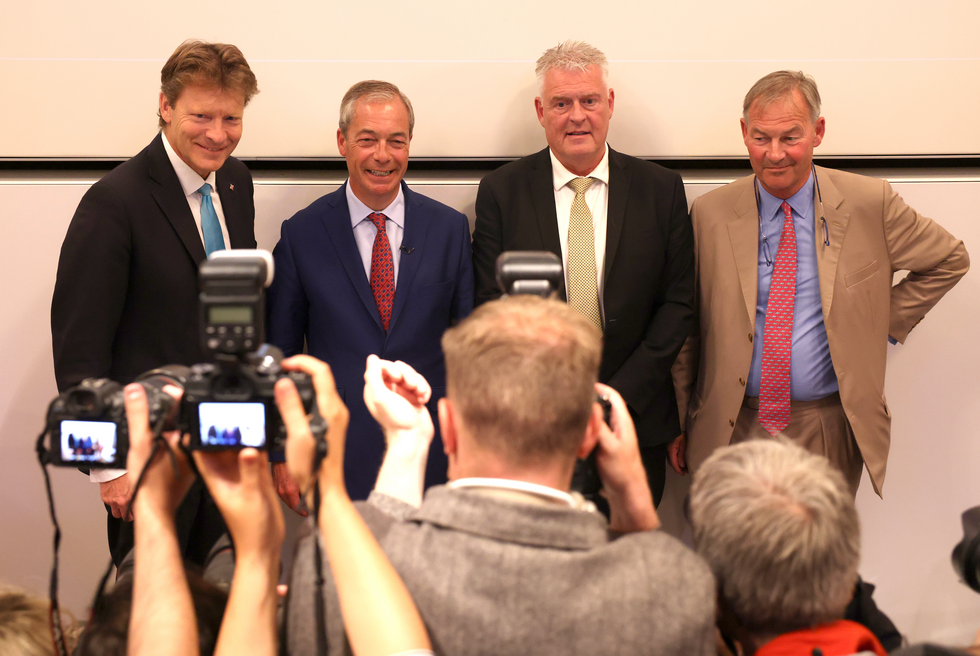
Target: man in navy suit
column 371, row 268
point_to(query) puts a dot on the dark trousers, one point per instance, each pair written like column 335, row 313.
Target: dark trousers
column 586, row 477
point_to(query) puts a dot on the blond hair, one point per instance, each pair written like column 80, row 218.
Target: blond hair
column 521, row 371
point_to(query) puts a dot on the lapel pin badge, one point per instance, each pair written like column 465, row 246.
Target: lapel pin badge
column 231, row 187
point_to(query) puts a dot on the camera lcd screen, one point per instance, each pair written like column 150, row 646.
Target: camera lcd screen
column 230, row 314
column 232, row 424
column 88, row 441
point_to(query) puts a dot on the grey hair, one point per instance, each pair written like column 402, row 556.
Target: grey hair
column 777, row 86
column 778, row 527
column 371, row 91
column 571, row 55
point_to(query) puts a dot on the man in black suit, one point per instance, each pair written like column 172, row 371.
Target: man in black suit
column 621, row 227
column 126, row 296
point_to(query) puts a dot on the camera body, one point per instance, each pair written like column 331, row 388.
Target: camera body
column 230, row 402
column 87, row 423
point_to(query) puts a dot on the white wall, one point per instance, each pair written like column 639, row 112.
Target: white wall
column 932, row 388
column 81, row 78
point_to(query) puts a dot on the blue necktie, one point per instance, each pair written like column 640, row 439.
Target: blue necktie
column 213, row 241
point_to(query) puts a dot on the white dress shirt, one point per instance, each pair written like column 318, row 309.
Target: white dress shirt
column 596, row 197
column 190, row 182
column 365, row 230
column 524, row 491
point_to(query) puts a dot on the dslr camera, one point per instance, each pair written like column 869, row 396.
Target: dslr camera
column 88, row 426
column 229, row 402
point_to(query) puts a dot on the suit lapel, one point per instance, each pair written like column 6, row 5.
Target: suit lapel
column 237, row 229
column 743, row 232
column 828, row 256
column 619, row 187
column 541, row 183
column 414, row 237
column 169, row 196
column 337, row 224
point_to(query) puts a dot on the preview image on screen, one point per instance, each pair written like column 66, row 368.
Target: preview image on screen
column 232, row 424
column 88, row 441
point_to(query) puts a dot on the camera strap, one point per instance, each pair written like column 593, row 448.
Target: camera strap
column 321, row 606
column 54, row 611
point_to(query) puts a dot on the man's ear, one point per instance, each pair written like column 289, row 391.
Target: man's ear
column 447, row 426
column 341, row 143
column 592, row 429
column 819, row 129
column 539, row 110
column 166, row 110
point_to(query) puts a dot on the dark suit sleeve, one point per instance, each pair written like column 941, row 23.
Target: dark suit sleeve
column 91, row 286
column 645, row 375
column 287, row 306
column 487, row 243
column 463, row 298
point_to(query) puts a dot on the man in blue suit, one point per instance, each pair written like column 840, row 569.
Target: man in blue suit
column 371, row 268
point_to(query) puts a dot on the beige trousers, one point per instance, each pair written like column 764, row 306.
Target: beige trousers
column 819, row 426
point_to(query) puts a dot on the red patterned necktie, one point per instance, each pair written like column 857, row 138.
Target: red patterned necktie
column 382, row 270
column 777, row 341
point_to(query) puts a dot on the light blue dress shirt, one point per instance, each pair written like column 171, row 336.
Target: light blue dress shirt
column 811, row 368
column 364, row 230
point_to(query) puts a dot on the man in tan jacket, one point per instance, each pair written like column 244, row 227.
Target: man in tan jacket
column 795, row 297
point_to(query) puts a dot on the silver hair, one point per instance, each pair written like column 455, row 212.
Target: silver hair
column 371, row 91
column 777, row 86
column 778, row 527
column 571, row 55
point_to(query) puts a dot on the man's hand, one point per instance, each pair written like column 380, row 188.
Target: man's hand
column 162, row 488
column 286, row 488
column 300, row 445
column 677, row 454
column 624, row 480
column 395, row 395
column 241, row 484
column 116, row 494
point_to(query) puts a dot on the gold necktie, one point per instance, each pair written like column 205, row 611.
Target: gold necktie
column 583, row 290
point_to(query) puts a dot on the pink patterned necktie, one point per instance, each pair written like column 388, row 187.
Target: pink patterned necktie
column 777, row 341
column 382, row 270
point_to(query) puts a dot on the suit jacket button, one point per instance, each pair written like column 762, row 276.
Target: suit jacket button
column 751, row 337
column 731, row 422
column 741, row 381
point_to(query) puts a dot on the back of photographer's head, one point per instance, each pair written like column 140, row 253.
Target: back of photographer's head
column 778, row 527
column 25, row 628
column 107, row 632
column 520, row 374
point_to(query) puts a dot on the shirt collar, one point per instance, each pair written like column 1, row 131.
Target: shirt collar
column 563, row 176
column 541, row 491
column 395, row 212
column 801, row 201
column 190, row 181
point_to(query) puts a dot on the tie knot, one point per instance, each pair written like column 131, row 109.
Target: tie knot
column 378, row 219
column 787, row 211
column 579, row 185
column 205, row 189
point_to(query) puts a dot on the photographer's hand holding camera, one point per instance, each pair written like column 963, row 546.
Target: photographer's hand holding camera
column 380, row 617
column 624, row 480
column 162, row 611
column 239, row 481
